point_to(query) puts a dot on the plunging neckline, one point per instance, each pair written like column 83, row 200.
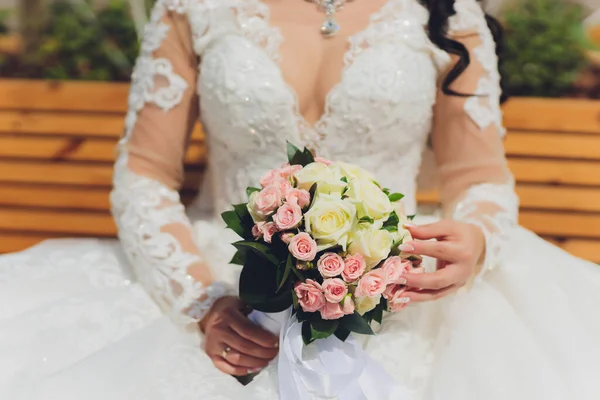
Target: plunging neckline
column 313, row 134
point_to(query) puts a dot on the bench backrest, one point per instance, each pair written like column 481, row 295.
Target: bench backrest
column 57, row 145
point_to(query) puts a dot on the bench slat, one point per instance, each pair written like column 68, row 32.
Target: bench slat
column 53, row 197
column 11, row 241
column 69, row 174
column 73, row 149
column 519, row 143
column 68, row 124
column 553, row 115
column 565, row 172
column 586, row 249
column 72, row 222
column 561, row 224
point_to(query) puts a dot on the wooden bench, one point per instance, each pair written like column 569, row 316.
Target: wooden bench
column 57, row 145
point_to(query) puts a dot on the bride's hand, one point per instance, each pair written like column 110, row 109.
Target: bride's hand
column 235, row 344
column 458, row 248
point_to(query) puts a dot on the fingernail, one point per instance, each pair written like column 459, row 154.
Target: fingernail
column 276, row 344
column 403, row 300
column 254, row 370
column 407, row 247
column 401, row 281
column 409, row 225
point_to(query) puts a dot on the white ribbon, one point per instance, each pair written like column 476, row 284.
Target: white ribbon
column 326, row 369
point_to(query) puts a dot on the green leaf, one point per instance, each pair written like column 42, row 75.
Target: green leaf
column 356, row 323
column 322, row 329
column 366, row 218
column 294, row 299
column 233, row 222
column 394, row 197
column 307, row 333
column 286, row 273
column 386, row 191
column 342, row 333
column 393, row 220
column 344, row 179
column 261, row 249
column 251, row 190
column 239, row 258
column 308, row 157
column 378, row 313
column 292, row 152
column 390, row 228
column 411, row 217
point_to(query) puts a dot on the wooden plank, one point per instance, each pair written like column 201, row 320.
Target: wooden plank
column 69, row 174
column 14, row 241
column 556, row 171
column 586, row 249
column 19, row 94
column 62, row 197
column 561, row 224
column 75, row 222
column 557, row 198
column 69, row 124
column 565, row 145
column 552, row 115
column 73, row 149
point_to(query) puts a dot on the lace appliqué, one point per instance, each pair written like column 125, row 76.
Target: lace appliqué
column 484, row 108
column 142, row 206
column 495, row 226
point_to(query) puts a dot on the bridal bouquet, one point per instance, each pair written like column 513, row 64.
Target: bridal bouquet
column 322, row 237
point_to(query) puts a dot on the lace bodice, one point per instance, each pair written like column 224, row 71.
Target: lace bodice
column 219, row 60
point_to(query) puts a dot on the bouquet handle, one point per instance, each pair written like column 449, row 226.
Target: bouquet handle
column 326, row 369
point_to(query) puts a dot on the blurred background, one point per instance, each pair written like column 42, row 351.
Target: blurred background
column 64, row 71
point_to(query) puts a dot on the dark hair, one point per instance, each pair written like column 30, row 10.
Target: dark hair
column 439, row 13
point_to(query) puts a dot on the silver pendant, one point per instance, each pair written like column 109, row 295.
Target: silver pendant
column 329, row 7
column 329, row 27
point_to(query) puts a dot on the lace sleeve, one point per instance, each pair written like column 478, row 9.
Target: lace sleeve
column 153, row 228
column 476, row 184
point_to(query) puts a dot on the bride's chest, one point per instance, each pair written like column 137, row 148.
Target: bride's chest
column 377, row 86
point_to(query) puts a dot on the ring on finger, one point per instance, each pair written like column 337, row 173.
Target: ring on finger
column 225, row 352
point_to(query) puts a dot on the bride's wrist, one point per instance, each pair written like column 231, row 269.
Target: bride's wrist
column 198, row 308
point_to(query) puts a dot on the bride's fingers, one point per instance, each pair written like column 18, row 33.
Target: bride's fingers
column 435, row 230
column 446, row 251
column 245, row 346
column 434, row 281
column 430, row 295
column 248, row 330
column 229, row 369
column 238, row 359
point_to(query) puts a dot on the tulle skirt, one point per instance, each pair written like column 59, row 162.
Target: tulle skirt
column 75, row 324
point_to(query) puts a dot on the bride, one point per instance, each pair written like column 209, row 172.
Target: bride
column 155, row 316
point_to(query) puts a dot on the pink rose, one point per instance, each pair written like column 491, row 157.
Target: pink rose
column 335, row 290
column 298, row 196
column 373, row 283
column 310, row 295
column 395, row 267
column 303, row 247
column 330, row 265
column 323, row 160
column 348, row 307
column 286, row 237
column 268, row 230
column 354, row 267
column 288, row 216
column 257, row 230
column 268, row 200
column 289, row 170
column 332, row 311
column 396, row 299
column 283, row 185
column 270, row 177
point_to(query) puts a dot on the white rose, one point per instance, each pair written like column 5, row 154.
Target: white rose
column 312, row 173
column 366, row 303
column 352, row 171
column 333, row 187
column 251, row 206
column 329, row 221
column 373, row 245
column 369, row 199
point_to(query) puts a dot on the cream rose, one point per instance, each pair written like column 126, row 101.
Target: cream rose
column 312, row 173
column 329, row 221
column 351, row 171
column 366, row 303
column 373, row 244
column 369, row 199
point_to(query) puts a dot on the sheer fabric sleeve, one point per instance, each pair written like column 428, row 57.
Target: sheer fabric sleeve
column 153, row 227
column 476, row 184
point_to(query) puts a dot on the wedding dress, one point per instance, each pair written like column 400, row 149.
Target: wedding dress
column 94, row 319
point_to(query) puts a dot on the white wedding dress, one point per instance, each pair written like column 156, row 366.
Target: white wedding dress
column 99, row 320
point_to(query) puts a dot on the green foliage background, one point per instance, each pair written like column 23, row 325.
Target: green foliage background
column 545, row 47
